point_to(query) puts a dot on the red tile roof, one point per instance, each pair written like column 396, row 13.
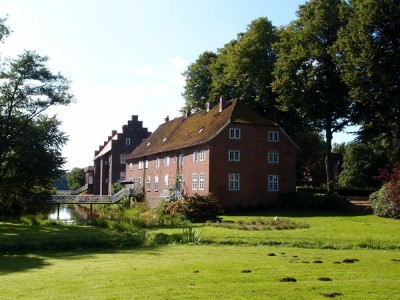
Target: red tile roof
column 198, row 128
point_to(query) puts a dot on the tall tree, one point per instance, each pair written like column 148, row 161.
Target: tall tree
column 30, row 141
column 369, row 56
column 244, row 67
column 76, row 178
column 198, row 82
column 307, row 78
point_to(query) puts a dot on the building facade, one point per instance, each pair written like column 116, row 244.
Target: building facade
column 229, row 150
column 109, row 160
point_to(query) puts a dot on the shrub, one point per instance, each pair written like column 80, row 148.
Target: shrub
column 382, row 205
column 201, row 208
column 196, row 208
column 331, row 202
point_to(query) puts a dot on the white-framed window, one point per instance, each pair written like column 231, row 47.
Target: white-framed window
column 140, row 165
column 180, row 159
column 234, row 182
column 273, row 136
column 146, row 164
column 234, row 155
column 148, row 183
column 202, row 155
column 273, row 183
column 273, row 157
column 139, row 181
column 122, row 159
column 122, row 176
column 127, row 141
column 201, row 181
column 157, row 162
column 195, row 156
column 166, row 161
column 194, row 182
column 166, row 182
column 130, row 166
column 234, row 133
column 156, row 183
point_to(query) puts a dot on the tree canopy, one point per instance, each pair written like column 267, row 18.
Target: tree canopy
column 242, row 69
column 76, row 178
column 307, row 77
column 30, row 141
column 369, row 57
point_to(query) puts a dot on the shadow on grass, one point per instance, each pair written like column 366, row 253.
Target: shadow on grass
column 13, row 263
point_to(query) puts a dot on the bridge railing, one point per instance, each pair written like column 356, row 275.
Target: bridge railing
column 73, row 192
column 92, row 199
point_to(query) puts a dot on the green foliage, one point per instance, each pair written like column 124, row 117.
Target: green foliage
column 307, row 78
column 198, row 81
column 30, row 141
column 386, row 201
column 369, row 56
column 242, row 69
column 329, row 202
column 190, row 236
column 117, row 186
column 310, row 159
column 196, row 208
column 76, row 178
column 261, row 224
column 4, row 29
column 361, row 164
column 382, row 206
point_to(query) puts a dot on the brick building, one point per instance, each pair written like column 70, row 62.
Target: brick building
column 229, row 150
column 109, row 160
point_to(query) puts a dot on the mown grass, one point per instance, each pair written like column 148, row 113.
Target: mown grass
column 201, row 272
column 231, row 263
column 326, row 230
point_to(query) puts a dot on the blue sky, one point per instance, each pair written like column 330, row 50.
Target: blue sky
column 126, row 57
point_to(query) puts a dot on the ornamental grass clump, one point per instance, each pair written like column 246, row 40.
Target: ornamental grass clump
column 262, row 224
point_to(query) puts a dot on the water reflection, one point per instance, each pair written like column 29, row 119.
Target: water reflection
column 66, row 214
column 71, row 213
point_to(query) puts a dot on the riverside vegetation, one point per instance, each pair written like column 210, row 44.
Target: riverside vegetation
column 137, row 253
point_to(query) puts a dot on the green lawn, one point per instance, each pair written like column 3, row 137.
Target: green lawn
column 233, row 264
column 326, row 230
column 201, row 272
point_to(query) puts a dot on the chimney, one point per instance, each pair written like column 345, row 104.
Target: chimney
column 188, row 112
column 208, row 104
column 166, row 119
column 222, row 103
column 114, row 132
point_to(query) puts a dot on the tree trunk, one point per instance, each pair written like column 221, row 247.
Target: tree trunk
column 328, row 159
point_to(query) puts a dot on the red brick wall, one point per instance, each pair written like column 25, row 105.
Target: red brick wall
column 186, row 170
column 253, row 166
